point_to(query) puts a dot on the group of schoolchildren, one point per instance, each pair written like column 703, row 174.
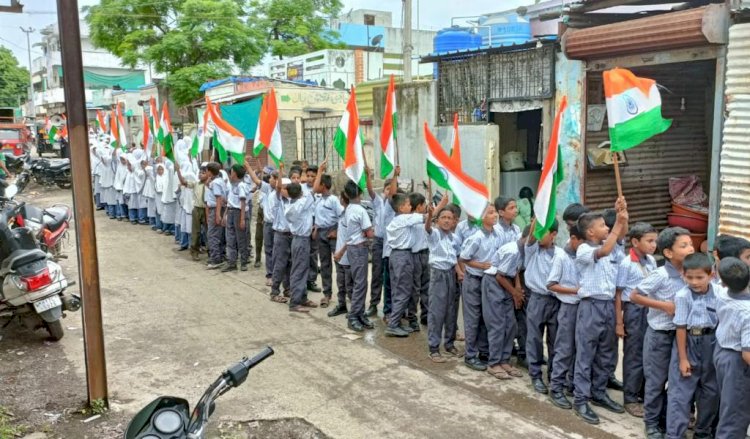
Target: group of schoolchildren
column 685, row 324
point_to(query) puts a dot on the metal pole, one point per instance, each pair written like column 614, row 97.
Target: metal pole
column 88, row 264
column 407, row 41
column 31, row 73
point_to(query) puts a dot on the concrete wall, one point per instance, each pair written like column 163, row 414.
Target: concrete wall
column 288, row 141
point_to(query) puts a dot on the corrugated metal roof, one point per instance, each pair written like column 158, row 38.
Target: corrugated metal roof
column 734, row 209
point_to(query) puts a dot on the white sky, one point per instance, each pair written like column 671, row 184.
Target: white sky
column 433, row 15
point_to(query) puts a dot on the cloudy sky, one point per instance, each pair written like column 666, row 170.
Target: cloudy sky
column 433, row 14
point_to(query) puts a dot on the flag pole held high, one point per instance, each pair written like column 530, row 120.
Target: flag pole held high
column 545, row 204
column 633, row 112
column 268, row 133
column 388, row 132
column 348, row 143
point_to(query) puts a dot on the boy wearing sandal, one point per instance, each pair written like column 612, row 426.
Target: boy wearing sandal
column 443, row 286
column 501, row 296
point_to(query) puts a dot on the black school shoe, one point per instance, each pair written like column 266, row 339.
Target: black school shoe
column 337, row 311
column 584, row 412
column 355, row 325
column 312, row 286
column 396, row 332
column 654, row 433
column 414, row 325
column 539, row 386
column 559, row 400
column 366, row 323
column 608, row 403
column 475, row 363
column 614, row 384
column 372, row 311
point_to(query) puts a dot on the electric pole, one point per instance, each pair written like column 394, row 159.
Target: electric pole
column 31, row 73
column 407, row 41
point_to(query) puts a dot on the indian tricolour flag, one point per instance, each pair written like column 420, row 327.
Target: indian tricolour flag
column 348, row 143
column 388, row 132
column 100, row 121
column 227, row 139
column 51, row 129
column 114, row 136
column 455, row 142
column 446, row 173
column 121, row 133
column 165, row 133
column 545, row 204
column 633, row 109
column 268, row 134
column 200, row 137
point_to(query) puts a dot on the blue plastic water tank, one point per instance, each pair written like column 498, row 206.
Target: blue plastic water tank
column 455, row 38
column 505, row 30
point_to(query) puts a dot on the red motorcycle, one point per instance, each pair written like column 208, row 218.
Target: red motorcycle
column 49, row 226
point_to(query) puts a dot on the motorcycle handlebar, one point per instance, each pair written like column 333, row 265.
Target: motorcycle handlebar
column 258, row 358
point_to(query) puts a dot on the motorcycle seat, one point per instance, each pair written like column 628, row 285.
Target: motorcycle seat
column 58, row 164
column 23, row 257
column 54, row 218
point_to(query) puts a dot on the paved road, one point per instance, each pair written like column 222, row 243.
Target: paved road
column 171, row 327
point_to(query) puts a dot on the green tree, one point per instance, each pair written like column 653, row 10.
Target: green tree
column 190, row 41
column 14, row 80
column 295, row 27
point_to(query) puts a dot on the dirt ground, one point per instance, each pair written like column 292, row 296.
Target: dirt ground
column 171, row 327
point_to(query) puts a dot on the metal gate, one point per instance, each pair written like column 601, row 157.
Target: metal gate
column 317, row 140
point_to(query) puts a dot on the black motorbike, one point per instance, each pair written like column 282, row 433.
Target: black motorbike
column 169, row 416
column 49, row 172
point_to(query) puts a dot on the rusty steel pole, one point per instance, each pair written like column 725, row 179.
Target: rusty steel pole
column 88, row 264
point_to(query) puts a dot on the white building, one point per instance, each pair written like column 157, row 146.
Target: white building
column 374, row 51
column 102, row 73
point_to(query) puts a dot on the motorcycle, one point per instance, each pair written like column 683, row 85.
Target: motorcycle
column 48, row 172
column 49, row 225
column 32, row 287
column 169, row 416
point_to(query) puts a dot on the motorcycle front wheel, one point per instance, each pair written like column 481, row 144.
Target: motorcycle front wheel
column 55, row 329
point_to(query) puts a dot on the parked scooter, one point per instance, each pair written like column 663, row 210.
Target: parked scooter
column 49, row 225
column 48, row 172
column 32, row 288
column 169, row 416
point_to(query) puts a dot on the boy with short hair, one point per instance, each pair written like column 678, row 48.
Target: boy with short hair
column 383, row 216
column 596, row 343
column 234, row 218
column 657, row 292
column 631, row 318
column 400, row 241
column 732, row 354
column 343, row 272
column 441, row 320
column 328, row 210
column 267, row 202
column 199, row 207
column 213, row 200
column 573, row 212
column 358, row 231
column 421, row 253
column 501, row 296
column 542, row 306
column 563, row 283
column 298, row 214
column 692, row 376
column 308, row 187
column 282, row 239
column 476, row 255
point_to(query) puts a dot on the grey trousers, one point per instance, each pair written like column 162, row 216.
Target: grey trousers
column 442, row 318
column 236, row 238
column 343, row 283
column 248, row 229
column 596, row 349
column 282, row 249
column 475, row 331
column 401, row 270
column 376, row 283
column 421, row 291
column 701, row 386
column 215, row 239
column 734, row 383
column 300, row 266
column 634, row 318
column 563, row 362
column 268, row 239
column 498, row 313
column 358, row 258
column 312, row 273
column 326, row 249
column 541, row 314
column 657, row 353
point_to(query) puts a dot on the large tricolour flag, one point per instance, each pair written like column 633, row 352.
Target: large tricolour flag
column 446, row 173
column 121, row 132
column 388, row 132
column 100, row 121
column 455, row 142
column 148, row 136
column 348, row 143
column 633, row 109
column 227, row 139
column 114, row 136
column 545, row 204
column 268, row 134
